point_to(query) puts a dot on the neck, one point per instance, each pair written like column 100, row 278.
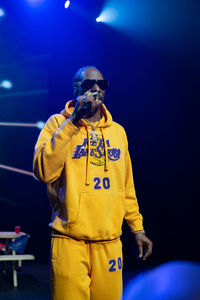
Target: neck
column 95, row 118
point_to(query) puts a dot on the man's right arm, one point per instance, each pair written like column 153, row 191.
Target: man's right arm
column 51, row 148
column 53, row 142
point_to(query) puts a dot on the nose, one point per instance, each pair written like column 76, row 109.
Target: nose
column 96, row 87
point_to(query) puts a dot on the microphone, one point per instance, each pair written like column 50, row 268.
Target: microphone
column 85, row 109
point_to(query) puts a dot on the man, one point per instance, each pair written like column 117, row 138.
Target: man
column 83, row 157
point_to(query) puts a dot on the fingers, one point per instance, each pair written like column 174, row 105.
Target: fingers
column 144, row 246
column 81, row 100
column 84, row 99
column 140, row 250
column 148, row 248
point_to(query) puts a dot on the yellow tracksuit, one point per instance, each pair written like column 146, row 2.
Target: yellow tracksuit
column 91, row 190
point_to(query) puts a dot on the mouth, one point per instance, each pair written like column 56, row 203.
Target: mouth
column 97, row 96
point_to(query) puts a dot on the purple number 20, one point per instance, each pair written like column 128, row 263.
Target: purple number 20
column 105, row 182
column 113, row 262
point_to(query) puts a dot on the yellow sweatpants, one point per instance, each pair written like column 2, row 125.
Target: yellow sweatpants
column 82, row 270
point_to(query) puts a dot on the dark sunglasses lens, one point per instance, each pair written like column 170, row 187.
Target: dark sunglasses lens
column 103, row 84
column 87, row 84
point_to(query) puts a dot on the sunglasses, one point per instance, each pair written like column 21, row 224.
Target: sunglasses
column 87, row 84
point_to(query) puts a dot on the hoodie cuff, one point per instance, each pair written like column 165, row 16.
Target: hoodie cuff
column 136, row 226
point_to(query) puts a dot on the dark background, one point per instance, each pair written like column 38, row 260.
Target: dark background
column 154, row 93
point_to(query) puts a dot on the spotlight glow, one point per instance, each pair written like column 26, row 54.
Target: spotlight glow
column 99, row 19
column 67, row 3
column 6, row 84
column 34, row 3
column 2, row 12
column 39, row 124
column 108, row 15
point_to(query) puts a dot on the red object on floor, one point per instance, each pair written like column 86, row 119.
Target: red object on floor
column 2, row 247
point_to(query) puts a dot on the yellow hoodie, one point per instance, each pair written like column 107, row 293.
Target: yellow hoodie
column 90, row 185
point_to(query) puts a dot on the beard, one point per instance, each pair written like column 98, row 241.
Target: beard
column 94, row 108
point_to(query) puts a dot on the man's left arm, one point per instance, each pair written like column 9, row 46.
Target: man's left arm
column 133, row 216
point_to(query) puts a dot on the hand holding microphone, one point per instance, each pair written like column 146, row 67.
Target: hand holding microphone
column 85, row 109
column 82, row 108
column 83, row 105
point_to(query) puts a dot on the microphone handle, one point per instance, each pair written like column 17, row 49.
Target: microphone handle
column 85, row 109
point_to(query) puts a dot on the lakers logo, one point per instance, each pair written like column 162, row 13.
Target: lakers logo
column 97, row 152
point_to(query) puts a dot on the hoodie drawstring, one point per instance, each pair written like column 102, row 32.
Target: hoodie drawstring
column 87, row 182
column 88, row 159
column 106, row 150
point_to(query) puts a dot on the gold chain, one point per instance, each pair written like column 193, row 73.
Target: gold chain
column 93, row 127
column 93, row 133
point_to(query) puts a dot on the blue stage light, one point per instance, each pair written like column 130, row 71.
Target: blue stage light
column 99, row 19
column 40, row 124
column 147, row 19
column 2, row 12
column 67, row 3
column 6, row 84
column 34, row 3
column 108, row 15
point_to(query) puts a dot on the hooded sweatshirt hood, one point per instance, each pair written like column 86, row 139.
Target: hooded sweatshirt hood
column 106, row 119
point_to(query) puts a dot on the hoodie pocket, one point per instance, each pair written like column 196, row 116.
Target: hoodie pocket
column 100, row 216
column 54, row 248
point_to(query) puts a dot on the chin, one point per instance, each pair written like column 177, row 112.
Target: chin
column 94, row 110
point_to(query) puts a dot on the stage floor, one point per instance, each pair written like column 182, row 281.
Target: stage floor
column 33, row 283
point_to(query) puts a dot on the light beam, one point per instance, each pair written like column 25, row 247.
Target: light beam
column 108, row 15
column 17, row 170
column 39, row 124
